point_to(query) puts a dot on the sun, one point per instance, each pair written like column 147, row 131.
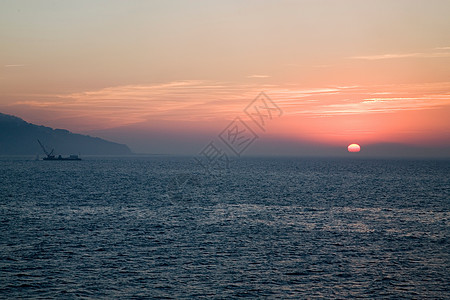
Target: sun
column 354, row 148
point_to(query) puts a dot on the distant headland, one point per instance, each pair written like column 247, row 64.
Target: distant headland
column 18, row 137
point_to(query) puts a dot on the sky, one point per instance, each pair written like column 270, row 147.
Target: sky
column 171, row 76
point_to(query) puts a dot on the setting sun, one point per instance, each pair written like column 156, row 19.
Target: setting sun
column 354, row 148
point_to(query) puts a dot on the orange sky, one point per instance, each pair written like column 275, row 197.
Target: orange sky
column 341, row 71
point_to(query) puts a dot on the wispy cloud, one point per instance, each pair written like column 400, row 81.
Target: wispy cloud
column 403, row 55
column 130, row 104
column 258, row 76
column 349, row 103
column 388, row 105
column 208, row 100
column 322, row 66
column 14, row 66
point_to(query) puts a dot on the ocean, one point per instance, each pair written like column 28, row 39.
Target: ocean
column 165, row 228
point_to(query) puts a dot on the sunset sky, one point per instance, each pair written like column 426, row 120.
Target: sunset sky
column 168, row 76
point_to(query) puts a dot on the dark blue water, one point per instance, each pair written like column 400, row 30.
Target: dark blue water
column 268, row 228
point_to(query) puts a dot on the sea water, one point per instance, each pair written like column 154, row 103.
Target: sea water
column 163, row 227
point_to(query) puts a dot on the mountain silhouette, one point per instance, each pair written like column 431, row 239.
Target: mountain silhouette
column 18, row 137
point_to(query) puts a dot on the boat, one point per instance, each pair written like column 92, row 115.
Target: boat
column 50, row 155
column 59, row 157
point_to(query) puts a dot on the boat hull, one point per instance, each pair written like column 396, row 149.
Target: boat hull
column 72, row 157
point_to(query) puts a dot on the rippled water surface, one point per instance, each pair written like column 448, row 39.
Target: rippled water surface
column 269, row 228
